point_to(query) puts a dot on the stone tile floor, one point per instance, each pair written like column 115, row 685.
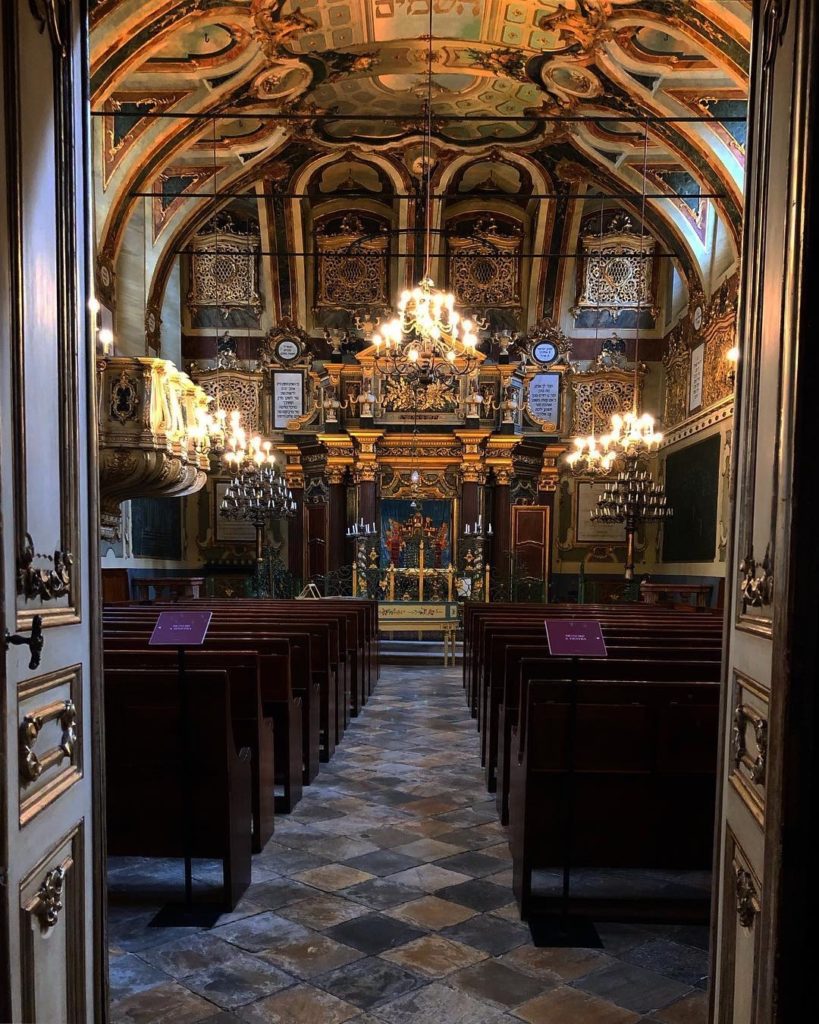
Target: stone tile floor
column 386, row 898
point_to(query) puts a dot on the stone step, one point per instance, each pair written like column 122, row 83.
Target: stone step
column 415, row 652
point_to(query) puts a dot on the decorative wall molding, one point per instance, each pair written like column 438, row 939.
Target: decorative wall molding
column 756, row 581
column 698, row 422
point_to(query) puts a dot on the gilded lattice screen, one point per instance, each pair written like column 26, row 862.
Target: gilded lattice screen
column 617, row 271
column 224, row 270
column 232, row 391
column 484, row 268
column 352, row 265
column 597, row 399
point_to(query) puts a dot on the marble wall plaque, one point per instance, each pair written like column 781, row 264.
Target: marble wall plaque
column 695, row 390
column 544, row 398
column 288, row 398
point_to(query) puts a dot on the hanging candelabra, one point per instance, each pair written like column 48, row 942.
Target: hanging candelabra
column 428, row 339
column 257, row 492
column 633, row 496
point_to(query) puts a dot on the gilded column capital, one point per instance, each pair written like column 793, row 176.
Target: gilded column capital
column 472, row 468
column 500, row 450
column 473, row 473
column 550, row 470
column 365, row 472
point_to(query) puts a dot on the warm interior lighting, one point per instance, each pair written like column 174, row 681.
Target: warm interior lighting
column 631, row 436
column 105, row 336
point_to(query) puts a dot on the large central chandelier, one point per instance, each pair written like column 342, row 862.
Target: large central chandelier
column 428, row 338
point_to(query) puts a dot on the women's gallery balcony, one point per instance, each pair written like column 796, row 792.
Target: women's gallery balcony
column 150, row 439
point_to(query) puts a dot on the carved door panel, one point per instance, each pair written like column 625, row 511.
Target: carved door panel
column 51, row 931
column 762, row 674
column 530, row 540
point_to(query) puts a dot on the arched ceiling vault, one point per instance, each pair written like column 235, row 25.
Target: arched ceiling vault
column 267, row 87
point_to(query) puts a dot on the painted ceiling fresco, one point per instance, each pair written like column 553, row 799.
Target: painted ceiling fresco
column 550, row 91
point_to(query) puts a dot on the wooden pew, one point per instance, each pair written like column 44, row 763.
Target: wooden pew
column 278, row 699
column 324, row 628
column 145, row 797
column 643, row 780
column 486, row 619
column 500, row 658
column 251, row 727
column 525, row 663
column 301, row 645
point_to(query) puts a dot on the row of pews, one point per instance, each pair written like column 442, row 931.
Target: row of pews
column 607, row 764
column 207, row 765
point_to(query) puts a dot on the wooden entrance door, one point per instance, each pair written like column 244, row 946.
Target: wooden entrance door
column 51, row 930
column 765, row 875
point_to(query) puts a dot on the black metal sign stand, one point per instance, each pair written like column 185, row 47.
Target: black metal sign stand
column 188, row 913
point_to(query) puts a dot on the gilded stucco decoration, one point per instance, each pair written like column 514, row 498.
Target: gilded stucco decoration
column 710, row 323
column 398, row 395
column 596, row 397
column 234, row 390
column 224, row 269
column 677, row 363
column 617, row 271
column 352, row 76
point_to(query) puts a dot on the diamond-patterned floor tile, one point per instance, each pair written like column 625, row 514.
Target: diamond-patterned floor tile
column 301, row 1004
column 432, row 913
column 386, row 897
column 434, row 956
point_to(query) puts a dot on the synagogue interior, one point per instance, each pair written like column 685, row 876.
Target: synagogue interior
column 416, row 328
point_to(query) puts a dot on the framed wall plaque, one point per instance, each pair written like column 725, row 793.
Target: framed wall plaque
column 695, row 387
column 288, row 397
column 232, row 530
column 543, row 399
column 588, row 532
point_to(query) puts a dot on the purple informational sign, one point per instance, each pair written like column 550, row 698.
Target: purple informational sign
column 180, row 629
column 576, row 638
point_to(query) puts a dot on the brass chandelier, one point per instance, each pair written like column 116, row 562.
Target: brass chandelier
column 633, row 496
column 428, row 338
column 257, row 492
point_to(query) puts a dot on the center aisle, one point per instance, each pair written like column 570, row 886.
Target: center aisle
column 386, row 897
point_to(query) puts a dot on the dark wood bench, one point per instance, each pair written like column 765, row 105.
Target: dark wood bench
column 251, row 727
column 643, row 781
column 147, row 803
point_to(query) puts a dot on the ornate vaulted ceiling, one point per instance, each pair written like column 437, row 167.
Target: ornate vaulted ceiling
column 310, row 96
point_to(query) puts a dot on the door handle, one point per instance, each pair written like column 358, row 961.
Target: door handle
column 33, row 642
